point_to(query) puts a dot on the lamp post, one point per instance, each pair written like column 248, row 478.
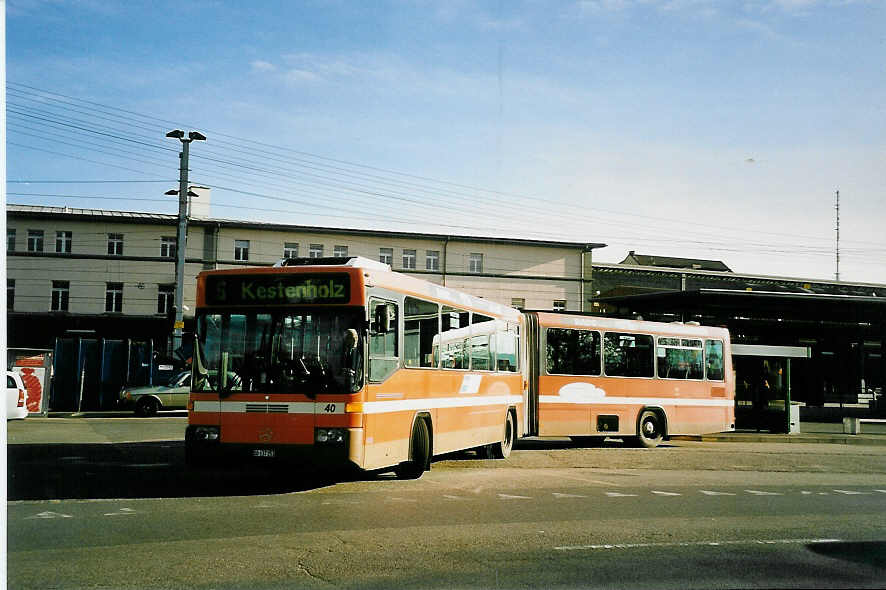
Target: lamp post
column 182, row 236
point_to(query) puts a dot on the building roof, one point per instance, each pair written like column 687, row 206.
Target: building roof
column 635, row 259
column 105, row 215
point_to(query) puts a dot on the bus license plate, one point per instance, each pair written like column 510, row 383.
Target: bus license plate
column 263, row 453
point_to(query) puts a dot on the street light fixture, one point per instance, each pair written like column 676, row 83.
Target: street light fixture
column 182, row 236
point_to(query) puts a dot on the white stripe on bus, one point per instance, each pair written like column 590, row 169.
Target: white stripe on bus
column 377, row 407
column 643, row 401
column 384, row 407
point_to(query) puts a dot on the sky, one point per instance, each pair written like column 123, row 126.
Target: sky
column 692, row 128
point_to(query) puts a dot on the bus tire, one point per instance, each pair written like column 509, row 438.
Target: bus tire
column 420, row 453
column 650, row 429
column 502, row 450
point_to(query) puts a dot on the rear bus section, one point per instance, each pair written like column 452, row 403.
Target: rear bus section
column 597, row 377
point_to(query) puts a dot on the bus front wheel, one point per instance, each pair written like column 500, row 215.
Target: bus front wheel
column 650, row 429
column 420, row 455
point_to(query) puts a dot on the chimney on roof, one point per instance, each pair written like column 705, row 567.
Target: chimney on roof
column 631, row 253
column 200, row 203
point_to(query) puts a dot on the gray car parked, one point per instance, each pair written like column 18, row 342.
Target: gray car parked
column 147, row 400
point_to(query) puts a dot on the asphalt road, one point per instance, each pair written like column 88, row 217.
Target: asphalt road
column 553, row 516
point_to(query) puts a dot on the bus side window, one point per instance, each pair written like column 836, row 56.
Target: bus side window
column 383, row 341
column 714, row 359
column 506, row 347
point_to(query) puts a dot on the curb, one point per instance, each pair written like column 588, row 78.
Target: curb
column 838, row 439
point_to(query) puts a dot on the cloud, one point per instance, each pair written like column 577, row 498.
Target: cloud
column 263, row 66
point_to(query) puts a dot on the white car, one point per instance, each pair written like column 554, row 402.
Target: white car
column 16, row 408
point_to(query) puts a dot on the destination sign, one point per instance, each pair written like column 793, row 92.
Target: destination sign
column 278, row 289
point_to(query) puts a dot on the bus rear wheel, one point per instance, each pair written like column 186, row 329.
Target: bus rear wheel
column 502, row 450
column 650, row 429
column 420, row 455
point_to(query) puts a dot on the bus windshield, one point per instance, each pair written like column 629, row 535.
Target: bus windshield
column 291, row 351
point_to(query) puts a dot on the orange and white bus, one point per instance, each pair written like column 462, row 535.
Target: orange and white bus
column 347, row 362
column 592, row 377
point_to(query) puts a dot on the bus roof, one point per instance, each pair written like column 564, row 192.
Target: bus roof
column 567, row 320
column 377, row 274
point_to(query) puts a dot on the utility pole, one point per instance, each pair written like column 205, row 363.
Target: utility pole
column 837, row 207
column 182, row 236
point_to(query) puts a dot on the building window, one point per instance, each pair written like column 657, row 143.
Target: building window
column 167, row 247
column 10, row 294
column 386, row 255
column 114, row 297
column 241, row 250
column 115, row 244
column 63, row 240
column 10, row 239
column 35, row 240
column 315, row 251
column 340, row 251
column 290, row 249
column 432, row 260
column 165, row 299
column 409, row 259
column 60, row 295
column 559, row 305
column 475, row 263
column 518, row 302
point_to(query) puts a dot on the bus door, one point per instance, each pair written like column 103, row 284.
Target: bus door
column 531, row 339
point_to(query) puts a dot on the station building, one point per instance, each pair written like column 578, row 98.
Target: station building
column 95, row 289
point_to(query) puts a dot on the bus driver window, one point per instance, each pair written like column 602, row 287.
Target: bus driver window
column 383, row 342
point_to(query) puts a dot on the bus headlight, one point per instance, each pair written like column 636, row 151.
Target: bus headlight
column 330, row 435
column 206, row 433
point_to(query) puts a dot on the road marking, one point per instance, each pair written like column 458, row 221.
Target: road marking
column 852, row 493
column 449, row 497
column 48, row 514
column 695, row 544
column 760, row 493
column 559, row 495
column 618, row 495
column 657, row 493
column 711, row 493
column 881, row 491
column 121, row 512
column 411, row 500
column 510, row 497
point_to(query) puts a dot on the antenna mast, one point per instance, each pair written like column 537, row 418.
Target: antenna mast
column 837, row 207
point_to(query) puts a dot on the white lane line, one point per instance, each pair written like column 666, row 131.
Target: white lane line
column 695, row 544
column 559, row 495
column 852, row 493
column 510, row 497
column 712, row 493
column 49, row 514
column 881, row 491
column 761, row 493
column 619, row 495
column 122, row 512
column 658, row 493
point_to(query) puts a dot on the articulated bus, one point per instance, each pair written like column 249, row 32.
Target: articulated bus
column 591, row 377
column 347, row 362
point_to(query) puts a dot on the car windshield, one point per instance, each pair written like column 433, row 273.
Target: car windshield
column 180, row 380
column 284, row 352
